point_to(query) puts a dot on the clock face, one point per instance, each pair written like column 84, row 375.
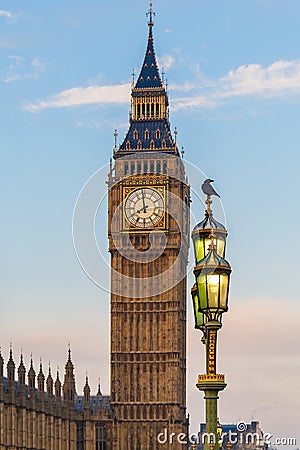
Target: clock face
column 144, row 207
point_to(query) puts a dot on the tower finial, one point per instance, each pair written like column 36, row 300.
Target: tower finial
column 116, row 138
column 151, row 14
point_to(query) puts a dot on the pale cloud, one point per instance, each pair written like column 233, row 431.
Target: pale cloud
column 6, row 14
column 192, row 102
column 83, row 96
column 20, row 69
column 166, row 61
column 185, row 87
column 280, row 79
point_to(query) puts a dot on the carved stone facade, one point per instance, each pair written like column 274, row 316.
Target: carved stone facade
column 50, row 416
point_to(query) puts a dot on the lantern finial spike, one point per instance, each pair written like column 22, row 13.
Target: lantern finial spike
column 208, row 203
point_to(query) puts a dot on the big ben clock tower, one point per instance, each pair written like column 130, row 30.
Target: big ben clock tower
column 148, row 223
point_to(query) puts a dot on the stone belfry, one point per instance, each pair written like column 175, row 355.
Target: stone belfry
column 148, row 230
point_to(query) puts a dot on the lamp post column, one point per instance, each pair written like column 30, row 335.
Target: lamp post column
column 211, row 384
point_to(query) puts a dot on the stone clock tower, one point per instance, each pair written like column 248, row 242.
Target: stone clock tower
column 148, row 223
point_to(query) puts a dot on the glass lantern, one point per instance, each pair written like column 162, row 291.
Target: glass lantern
column 212, row 278
column 201, row 236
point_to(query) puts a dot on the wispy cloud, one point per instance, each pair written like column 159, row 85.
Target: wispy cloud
column 83, row 96
column 166, row 61
column 6, row 14
column 21, row 69
column 280, row 79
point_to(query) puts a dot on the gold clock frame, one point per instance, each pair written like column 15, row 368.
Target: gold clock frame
column 126, row 190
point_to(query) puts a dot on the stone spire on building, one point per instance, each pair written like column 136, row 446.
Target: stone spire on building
column 87, row 394
column 21, row 376
column 11, row 371
column 57, row 385
column 1, row 365
column 99, row 393
column 31, row 376
column 69, row 390
column 49, row 383
column 41, row 382
column 1, row 375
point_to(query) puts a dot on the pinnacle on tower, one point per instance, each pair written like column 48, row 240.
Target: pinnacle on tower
column 49, row 382
column 57, row 385
column 31, row 375
column 69, row 390
column 1, row 364
column 41, row 379
column 99, row 393
column 11, row 367
column 87, row 393
column 149, row 77
column 21, row 372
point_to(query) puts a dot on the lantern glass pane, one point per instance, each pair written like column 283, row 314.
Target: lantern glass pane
column 199, row 319
column 201, row 283
column 199, row 316
column 199, row 248
column 213, row 282
column 207, row 242
column 221, row 246
column 224, row 282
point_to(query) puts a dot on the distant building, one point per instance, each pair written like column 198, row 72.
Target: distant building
column 242, row 436
column 43, row 414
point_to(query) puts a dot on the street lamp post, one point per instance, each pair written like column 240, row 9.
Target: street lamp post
column 210, row 301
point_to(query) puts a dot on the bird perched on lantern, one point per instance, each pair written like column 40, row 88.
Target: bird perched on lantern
column 208, row 189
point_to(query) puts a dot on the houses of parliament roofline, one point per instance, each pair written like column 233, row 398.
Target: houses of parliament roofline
column 51, row 410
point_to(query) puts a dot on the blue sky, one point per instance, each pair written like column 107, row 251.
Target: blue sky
column 233, row 71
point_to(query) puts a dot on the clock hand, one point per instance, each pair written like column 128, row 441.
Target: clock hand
column 143, row 197
column 142, row 209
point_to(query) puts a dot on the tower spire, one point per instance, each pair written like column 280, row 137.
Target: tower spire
column 151, row 14
column 149, row 115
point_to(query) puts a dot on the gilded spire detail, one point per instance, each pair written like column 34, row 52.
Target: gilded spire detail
column 151, row 14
